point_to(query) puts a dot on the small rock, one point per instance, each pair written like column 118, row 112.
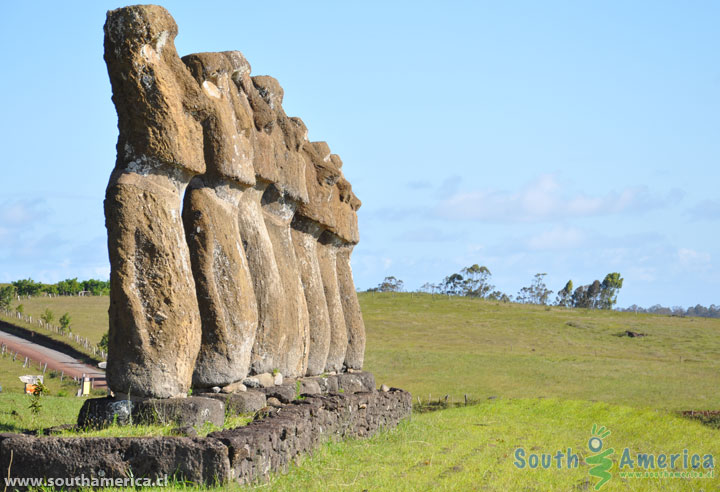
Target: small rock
column 274, row 402
column 310, row 387
column 252, row 382
column 278, row 379
column 353, row 370
column 384, row 388
column 235, row 387
column 264, row 380
column 215, row 389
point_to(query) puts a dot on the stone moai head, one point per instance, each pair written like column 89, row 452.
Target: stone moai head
column 159, row 105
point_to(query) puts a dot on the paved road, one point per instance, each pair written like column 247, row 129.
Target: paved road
column 55, row 360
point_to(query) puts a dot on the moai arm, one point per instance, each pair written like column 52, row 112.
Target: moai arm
column 154, row 321
column 224, row 286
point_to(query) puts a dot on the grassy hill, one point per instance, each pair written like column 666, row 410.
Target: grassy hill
column 551, row 372
column 89, row 315
column 437, row 346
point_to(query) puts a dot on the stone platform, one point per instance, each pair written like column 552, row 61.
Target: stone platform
column 212, row 407
column 245, row 454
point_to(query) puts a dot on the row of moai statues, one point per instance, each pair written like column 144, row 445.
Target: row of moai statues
column 229, row 233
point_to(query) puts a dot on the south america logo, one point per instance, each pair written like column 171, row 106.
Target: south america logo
column 600, row 461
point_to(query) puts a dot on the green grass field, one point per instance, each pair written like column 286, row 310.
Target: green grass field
column 11, row 370
column 438, row 346
column 89, row 317
column 553, row 372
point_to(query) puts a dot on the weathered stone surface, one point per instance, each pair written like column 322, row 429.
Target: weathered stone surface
column 278, row 211
column 101, row 412
column 273, row 443
column 226, row 297
column 285, row 393
column 244, row 454
column 328, row 384
column 225, row 293
column 356, row 382
column 196, row 460
column 262, row 380
column 310, row 387
column 243, row 402
column 154, row 319
column 354, row 324
column 228, row 144
column 327, row 260
column 234, row 388
column 305, row 235
column 267, row 284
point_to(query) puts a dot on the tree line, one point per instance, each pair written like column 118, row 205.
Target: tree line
column 698, row 310
column 475, row 281
column 67, row 287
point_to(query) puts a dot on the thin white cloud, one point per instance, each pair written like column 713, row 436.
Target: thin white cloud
column 545, row 199
column 692, row 259
column 20, row 212
column 557, row 238
column 705, row 210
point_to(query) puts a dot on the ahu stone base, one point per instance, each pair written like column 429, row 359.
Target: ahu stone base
column 278, row 436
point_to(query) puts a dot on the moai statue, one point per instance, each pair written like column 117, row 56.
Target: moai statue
column 282, row 338
column 309, row 222
column 226, row 297
column 338, row 213
column 154, row 317
column 347, row 233
column 222, row 265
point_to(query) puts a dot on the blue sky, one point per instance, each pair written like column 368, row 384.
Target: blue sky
column 572, row 138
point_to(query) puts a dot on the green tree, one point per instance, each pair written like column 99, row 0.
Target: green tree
column 609, row 290
column 20, row 309
column 96, row 287
column 476, row 281
column 104, row 342
column 580, row 297
column 453, row 284
column 47, row 316
column 27, row 287
column 7, row 294
column 564, row 296
column 536, row 293
column 65, row 322
column 391, row 284
column 69, row 287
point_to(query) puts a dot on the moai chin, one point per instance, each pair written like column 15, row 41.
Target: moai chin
column 229, row 234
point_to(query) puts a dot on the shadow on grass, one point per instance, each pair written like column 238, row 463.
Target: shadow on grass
column 711, row 418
